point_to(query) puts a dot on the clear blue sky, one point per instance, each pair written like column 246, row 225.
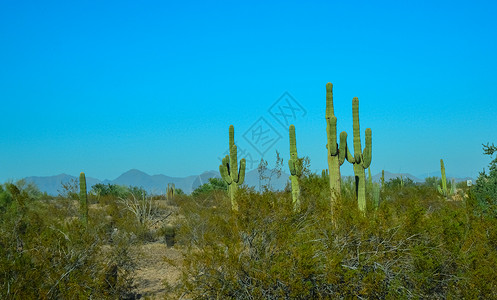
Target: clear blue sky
column 106, row 86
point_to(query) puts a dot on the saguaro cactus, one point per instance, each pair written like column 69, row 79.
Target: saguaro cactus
column 382, row 179
column 361, row 159
column 336, row 153
column 170, row 234
column 170, row 191
column 83, row 199
column 229, row 169
column 443, row 188
column 295, row 170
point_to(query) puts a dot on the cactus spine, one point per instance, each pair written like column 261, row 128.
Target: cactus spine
column 170, row 191
column 229, row 169
column 336, row 154
column 83, row 199
column 361, row 159
column 295, row 170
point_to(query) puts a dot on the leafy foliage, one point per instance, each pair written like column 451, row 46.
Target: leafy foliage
column 214, row 184
column 485, row 189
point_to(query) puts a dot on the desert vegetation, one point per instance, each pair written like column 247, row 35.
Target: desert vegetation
column 323, row 237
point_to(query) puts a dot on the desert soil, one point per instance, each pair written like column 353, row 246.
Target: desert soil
column 153, row 271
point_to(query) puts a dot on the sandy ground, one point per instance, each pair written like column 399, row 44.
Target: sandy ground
column 152, row 270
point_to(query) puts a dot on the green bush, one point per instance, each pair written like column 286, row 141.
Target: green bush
column 485, row 189
column 414, row 245
column 47, row 253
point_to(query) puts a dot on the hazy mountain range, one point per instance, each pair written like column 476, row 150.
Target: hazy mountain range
column 156, row 184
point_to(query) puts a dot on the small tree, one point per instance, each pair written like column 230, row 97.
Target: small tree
column 485, row 189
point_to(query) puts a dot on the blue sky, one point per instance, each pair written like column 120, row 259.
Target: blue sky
column 107, row 86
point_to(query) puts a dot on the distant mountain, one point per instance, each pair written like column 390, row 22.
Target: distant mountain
column 449, row 176
column 156, row 184
column 53, row 184
column 388, row 176
column 252, row 179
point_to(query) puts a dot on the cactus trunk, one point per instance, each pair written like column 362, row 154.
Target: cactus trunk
column 336, row 153
column 295, row 170
column 443, row 189
column 382, row 179
column 170, row 191
column 83, row 199
column 229, row 169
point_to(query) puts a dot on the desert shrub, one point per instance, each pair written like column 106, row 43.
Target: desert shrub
column 214, row 184
column 485, row 189
column 414, row 245
column 45, row 252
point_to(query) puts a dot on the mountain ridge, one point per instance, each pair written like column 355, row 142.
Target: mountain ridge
column 156, row 184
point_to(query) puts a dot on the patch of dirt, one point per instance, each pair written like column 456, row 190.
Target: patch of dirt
column 152, row 270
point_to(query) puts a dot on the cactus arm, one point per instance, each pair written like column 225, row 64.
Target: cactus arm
column 224, row 170
column 453, row 187
column 366, row 156
column 241, row 173
column 440, row 190
column 344, row 149
column 291, row 166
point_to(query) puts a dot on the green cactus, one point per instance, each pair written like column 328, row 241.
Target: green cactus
column 170, row 191
column 442, row 189
column 229, row 169
column 376, row 195
column 170, row 234
column 453, row 186
column 382, row 179
column 295, row 170
column 83, row 199
column 336, row 154
column 361, row 159
column 324, row 173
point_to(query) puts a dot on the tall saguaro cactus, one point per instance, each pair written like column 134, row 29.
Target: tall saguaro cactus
column 361, row 159
column 295, row 170
column 229, row 169
column 83, row 199
column 443, row 189
column 170, row 191
column 336, row 153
